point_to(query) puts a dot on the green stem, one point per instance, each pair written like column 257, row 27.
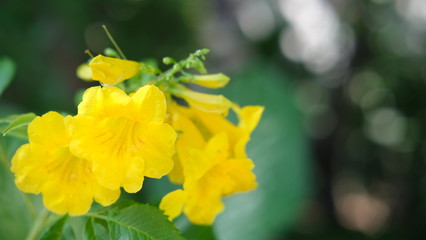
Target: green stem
column 114, row 43
column 38, row 225
column 29, row 204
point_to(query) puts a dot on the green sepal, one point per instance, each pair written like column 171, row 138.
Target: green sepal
column 17, row 125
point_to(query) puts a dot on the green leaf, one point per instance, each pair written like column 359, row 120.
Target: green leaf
column 149, row 69
column 281, row 155
column 56, row 231
column 15, row 219
column 7, row 70
column 89, row 230
column 68, row 233
column 131, row 220
column 95, row 229
column 20, row 133
column 194, row 232
column 9, row 119
column 17, row 122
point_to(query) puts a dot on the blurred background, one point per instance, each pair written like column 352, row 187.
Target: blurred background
column 340, row 152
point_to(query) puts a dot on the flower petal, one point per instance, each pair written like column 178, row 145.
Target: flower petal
column 203, row 204
column 249, row 117
column 189, row 134
column 158, row 149
column 149, row 105
column 105, row 196
column 48, row 130
column 173, row 203
column 134, row 176
column 66, row 182
column 198, row 162
column 125, row 138
column 215, row 123
column 203, row 101
column 176, row 175
column 67, row 187
column 112, row 146
column 217, row 80
column 112, row 70
column 233, row 176
column 29, row 177
column 103, row 102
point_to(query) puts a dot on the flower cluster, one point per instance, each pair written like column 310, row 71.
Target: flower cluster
column 151, row 125
column 210, row 162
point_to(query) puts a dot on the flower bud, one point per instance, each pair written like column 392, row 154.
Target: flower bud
column 112, row 70
column 218, row 80
column 84, row 72
column 203, row 101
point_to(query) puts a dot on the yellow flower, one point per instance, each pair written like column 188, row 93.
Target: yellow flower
column 249, row 117
column 124, row 137
column 112, row 70
column 203, row 101
column 47, row 166
column 212, row 162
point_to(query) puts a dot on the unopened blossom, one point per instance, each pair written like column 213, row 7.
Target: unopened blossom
column 217, row 80
column 112, row 70
column 210, row 103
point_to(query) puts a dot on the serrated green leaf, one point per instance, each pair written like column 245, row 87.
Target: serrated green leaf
column 281, row 154
column 131, row 220
column 68, row 233
column 7, row 70
column 194, row 232
column 19, row 122
column 95, row 229
column 89, row 230
column 56, row 230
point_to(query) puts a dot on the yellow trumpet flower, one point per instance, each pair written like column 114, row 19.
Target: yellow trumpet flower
column 124, row 137
column 47, row 166
column 211, row 161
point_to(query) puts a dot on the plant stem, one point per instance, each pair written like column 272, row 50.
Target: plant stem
column 114, row 43
column 38, row 225
column 29, row 204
